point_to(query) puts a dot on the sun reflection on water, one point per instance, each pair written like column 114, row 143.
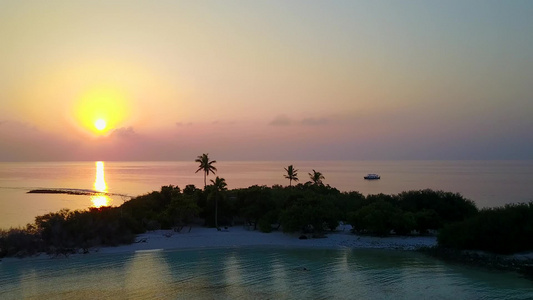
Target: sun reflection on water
column 100, row 186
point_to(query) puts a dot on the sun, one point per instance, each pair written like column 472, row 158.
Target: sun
column 101, row 109
column 100, row 124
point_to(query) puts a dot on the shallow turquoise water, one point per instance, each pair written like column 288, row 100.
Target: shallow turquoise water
column 255, row 273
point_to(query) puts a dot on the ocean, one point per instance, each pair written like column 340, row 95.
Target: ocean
column 255, row 273
column 487, row 183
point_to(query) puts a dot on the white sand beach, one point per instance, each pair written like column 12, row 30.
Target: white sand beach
column 201, row 237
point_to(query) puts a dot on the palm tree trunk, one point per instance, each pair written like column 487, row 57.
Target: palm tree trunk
column 216, row 211
column 205, row 180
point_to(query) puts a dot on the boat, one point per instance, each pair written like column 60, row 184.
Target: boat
column 372, row 176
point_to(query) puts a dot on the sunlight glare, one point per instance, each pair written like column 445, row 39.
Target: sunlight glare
column 100, row 186
column 99, row 183
column 99, row 201
column 100, row 124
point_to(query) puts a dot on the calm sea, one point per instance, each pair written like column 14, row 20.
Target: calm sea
column 255, row 273
column 488, row 183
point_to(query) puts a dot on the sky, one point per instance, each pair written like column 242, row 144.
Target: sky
column 266, row 80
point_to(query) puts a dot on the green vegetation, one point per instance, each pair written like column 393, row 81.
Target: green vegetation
column 66, row 231
column 308, row 208
column 413, row 211
column 206, row 166
column 316, row 177
column 292, row 174
column 502, row 230
column 219, row 185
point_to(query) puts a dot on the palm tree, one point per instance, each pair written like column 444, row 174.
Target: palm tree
column 219, row 185
column 316, row 177
column 206, row 166
column 292, row 174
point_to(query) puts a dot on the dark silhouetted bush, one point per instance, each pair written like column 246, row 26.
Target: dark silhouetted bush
column 502, row 230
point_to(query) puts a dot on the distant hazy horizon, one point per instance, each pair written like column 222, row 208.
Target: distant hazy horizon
column 266, row 80
column 285, row 161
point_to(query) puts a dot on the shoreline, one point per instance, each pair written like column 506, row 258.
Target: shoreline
column 211, row 238
column 203, row 237
column 234, row 237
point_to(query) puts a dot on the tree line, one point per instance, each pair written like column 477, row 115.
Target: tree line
column 306, row 208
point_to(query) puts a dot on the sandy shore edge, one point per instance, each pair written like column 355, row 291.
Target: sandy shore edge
column 201, row 237
column 210, row 238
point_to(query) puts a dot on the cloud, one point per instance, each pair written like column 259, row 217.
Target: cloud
column 281, row 120
column 180, row 124
column 284, row 120
column 314, row 122
column 22, row 141
column 19, row 131
column 218, row 122
column 124, row 132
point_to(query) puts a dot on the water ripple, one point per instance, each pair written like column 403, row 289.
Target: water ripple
column 255, row 273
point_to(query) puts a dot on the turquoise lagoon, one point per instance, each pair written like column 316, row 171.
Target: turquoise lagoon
column 255, row 273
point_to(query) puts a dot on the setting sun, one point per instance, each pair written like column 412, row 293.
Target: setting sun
column 101, row 109
column 100, row 124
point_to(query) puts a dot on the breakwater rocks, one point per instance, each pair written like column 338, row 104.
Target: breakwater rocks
column 65, row 191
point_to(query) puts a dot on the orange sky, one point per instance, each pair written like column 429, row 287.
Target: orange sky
column 266, row 80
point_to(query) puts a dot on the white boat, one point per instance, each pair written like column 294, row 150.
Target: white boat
column 372, row 176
